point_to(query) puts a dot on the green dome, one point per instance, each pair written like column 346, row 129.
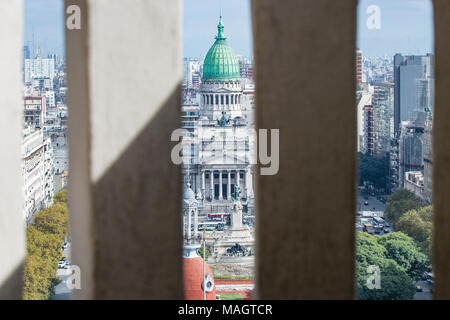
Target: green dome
column 221, row 62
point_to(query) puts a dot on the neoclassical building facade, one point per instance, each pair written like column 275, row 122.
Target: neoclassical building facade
column 218, row 153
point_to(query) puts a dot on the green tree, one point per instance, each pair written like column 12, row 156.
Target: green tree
column 404, row 250
column 43, row 253
column 400, row 202
column 207, row 253
column 61, row 197
column 418, row 225
column 373, row 170
column 395, row 283
column 53, row 220
column 44, row 241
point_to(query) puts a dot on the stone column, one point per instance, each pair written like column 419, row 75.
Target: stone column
column 211, row 181
column 229, row 185
column 195, row 224
column 237, row 177
column 247, row 182
column 189, row 223
column 203, row 184
column 220, row 185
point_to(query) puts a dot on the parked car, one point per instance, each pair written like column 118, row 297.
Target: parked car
column 66, row 244
column 419, row 289
column 67, row 265
column 366, row 203
column 62, row 264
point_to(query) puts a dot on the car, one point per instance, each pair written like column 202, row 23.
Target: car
column 66, row 244
column 62, row 264
column 419, row 289
column 67, row 265
column 366, row 203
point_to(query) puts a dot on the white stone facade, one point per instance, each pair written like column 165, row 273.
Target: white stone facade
column 219, row 151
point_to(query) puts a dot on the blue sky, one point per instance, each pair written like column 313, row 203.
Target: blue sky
column 46, row 17
column 200, row 26
column 406, row 27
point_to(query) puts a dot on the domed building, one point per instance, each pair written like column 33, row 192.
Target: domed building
column 220, row 148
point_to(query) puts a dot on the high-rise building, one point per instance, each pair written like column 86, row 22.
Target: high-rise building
column 407, row 71
column 428, row 160
column 37, row 171
column 383, row 96
column 26, row 52
column 191, row 70
column 369, row 136
column 358, row 67
column 411, row 146
column 35, row 111
column 39, row 68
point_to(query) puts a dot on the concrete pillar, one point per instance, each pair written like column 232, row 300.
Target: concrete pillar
column 237, row 177
column 12, row 221
column 441, row 149
column 317, row 249
column 118, row 154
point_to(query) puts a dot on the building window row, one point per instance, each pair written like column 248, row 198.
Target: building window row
column 223, row 99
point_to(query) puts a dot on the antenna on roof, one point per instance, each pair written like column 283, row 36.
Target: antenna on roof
column 220, row 8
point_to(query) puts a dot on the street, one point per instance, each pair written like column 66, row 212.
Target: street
column 426, row 293
column 373, row 203
column 62, row 292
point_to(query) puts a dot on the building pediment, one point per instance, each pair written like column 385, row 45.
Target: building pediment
column 224, row 160
column 224, row 90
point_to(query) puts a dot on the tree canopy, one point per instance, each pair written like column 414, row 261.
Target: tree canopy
column 398, row 259
column 373, row 170
column 44, row 240
column 418, row 225
column 400, row 202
